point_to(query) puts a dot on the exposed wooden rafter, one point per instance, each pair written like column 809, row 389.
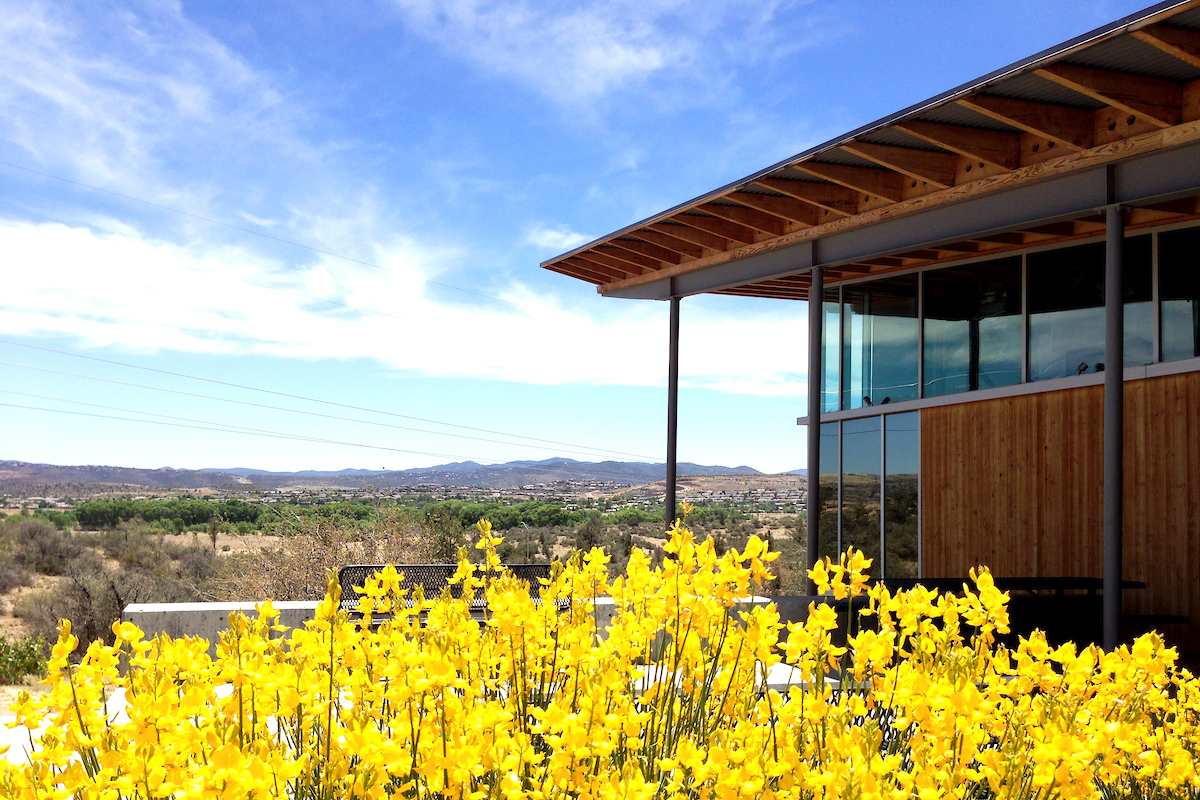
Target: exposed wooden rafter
column 749, row 217
column 678, row 245
column 831, row 197
column 1068, row 126
column 721, row 227
column 999, row 148
column 647, row 249
column 1152, row 100
column 881, row 183
column 787, row 208
column 931, row 166
column 1180, row 43
column 616, row 265
column 631, row 258
column 689, row 234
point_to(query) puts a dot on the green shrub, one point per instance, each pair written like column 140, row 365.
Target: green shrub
column 22, row 657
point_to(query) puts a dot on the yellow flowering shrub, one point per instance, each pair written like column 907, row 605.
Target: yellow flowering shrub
column 668, row 698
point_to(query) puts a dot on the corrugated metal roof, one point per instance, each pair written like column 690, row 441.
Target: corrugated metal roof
column 1127, row 54
column 1040, row 90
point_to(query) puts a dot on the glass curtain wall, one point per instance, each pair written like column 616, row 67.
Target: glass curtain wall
column 862, row 458
column 831, row 347
column 1179, row 293
column 870, row 491
column 901, row 494
column 879, row 342
column 972, row 327
column 1066, row 309
column 827, row 522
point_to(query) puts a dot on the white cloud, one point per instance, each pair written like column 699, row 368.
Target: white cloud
column 558, row 239
column 579, row 53
column 124, row 290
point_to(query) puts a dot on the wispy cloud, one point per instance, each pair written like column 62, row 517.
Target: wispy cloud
column 580, row 53
column 556, row 238
column 147, row 103
column 128, row 291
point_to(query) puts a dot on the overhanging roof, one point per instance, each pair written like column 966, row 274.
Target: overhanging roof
column 1058, row 119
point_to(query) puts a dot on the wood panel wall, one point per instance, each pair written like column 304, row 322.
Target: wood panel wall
column 1017, row 484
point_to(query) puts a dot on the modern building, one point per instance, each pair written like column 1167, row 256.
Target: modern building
column 1005, row 361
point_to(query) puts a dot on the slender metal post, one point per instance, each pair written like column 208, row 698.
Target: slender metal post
column 669, row 510
column 816, row 376
column 1114, row 422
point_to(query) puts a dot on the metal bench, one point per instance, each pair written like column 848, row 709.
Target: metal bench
column 432, row 579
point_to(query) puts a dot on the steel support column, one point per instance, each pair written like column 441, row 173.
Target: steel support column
column 669, row 509
column 1114, row 421
column 816, row 374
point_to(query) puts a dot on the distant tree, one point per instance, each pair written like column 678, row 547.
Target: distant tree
column 591, row 533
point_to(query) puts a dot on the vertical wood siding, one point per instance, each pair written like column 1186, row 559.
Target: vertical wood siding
column 1017, row 484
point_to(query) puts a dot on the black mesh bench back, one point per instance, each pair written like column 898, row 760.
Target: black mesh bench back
column 431, row 578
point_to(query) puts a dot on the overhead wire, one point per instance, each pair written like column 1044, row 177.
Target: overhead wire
column 577, row 450
column 310, row 399
column 209, row 425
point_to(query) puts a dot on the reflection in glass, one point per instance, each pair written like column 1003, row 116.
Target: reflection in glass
column 827, row 523
column 879, row 342
column 973, row 327
column 1066, row 309
column 861, row 456
column 1137, row 264
column 901, row 496
column 1179, row 292
column 831, row 345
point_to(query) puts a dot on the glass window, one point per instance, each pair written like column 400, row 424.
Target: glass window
column 827, row 523
column 831, row 341
column 1179, row 292
column 1137, row 294
column 879, row 342
column 861, row 457
column 1066, row 309
column 902, row 456
column 973, row 327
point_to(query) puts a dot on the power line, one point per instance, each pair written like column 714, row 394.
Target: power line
column 240, row 228
column 207, row 425
column 577, row 450
column 305, row 398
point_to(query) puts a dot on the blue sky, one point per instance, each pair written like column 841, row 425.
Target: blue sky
column 156, row 159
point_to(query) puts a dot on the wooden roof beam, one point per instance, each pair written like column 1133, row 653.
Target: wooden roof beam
column 882, row 183
column 565, row 267
column 647, row 249
column 582, row 269
column 694, row 235
column 749, row 217
column 787, row 208
column 999, row 148
column 1180, row 43
column 1153, row 100
column 829, row 196
column 608, row 264
column 932, row 166
column 633, row 259
column 1071, row 127
column 675, row 244
column 721, row 227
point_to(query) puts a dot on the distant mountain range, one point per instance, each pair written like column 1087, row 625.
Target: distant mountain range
column 19, row 477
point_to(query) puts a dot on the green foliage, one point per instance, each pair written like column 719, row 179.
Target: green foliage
column 22, row 657
column 176, row 513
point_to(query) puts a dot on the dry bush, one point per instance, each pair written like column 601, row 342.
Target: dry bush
column 299, row 569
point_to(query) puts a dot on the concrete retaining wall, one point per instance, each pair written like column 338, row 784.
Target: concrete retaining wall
column 209, row 619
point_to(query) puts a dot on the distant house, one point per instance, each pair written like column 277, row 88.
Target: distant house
column 1007, row 350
